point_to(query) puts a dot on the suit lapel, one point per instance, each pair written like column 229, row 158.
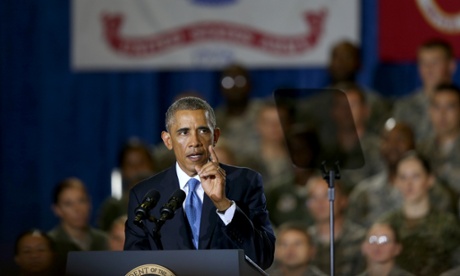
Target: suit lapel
column 208, row 222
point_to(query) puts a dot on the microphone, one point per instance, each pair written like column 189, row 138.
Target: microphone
column 148, row 203
column 175, row 202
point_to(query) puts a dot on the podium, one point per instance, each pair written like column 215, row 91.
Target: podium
column 169, row 262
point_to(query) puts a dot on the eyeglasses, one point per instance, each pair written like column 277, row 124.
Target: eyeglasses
column 379, row 239
column 230, row 82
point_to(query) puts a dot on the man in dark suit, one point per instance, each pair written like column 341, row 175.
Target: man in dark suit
column 231, row 199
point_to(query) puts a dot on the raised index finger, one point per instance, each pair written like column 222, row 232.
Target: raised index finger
column 213, row 154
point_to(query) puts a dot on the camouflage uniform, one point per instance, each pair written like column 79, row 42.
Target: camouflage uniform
column 380, row 110
column 372, row 198
column 287, row 202
column 446, row 165
column 395, row 271
column 375, row 196
column 429, row 243
column 413, row 110
column 273, row 171
column 310, row 271
column 240, row 132
column 347, row 248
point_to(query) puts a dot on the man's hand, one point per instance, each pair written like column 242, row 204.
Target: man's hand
column 213, row 181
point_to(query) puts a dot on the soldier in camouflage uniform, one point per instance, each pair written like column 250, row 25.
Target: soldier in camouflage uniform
column 377, row 195
column 344, row 65
column 368, row 141
column 436, row 65
column 286, row 201
column 293, row 253
column 381, row 247
column 443, row 147
column 237, row 116
column 348, row 236
column 430, row 238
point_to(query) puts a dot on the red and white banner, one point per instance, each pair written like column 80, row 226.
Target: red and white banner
column 405, row 25
column 141, row 34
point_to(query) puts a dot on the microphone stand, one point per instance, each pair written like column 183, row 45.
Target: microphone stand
column 330, row 176
column 156, row 236
column 157, row 223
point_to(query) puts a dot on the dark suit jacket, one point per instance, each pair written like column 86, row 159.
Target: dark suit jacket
column 249, row 230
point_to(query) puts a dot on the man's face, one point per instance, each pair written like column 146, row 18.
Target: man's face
column 73, row 207
column 395, row 143
column 445, row 112
column 434, row 67
column 234, row 85
column 293, row 249
column 344, row 62
column 190, row 136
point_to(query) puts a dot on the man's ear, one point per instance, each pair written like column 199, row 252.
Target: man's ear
column 216, row 136
column 166, row 137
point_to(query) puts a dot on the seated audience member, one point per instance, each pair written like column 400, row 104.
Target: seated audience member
column 430, row 238
column 344, row 65
column 286, row 201
column 272, row 154
column 378, row 194
column 35, row 254
column 236, row 117
column 347, row 235
column 381, row 247
column 293, row 252
column 136, row 163
column 443, row 147
column 368, row 141
column 116, row 234
column 71, row 204
column 436, row 65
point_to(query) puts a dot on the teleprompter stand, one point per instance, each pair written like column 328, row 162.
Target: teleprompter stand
column 320, row 134
column 330, row 175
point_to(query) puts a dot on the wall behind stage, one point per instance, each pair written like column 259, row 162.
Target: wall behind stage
column 56, row 123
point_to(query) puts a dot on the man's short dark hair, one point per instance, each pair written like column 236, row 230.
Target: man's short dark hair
column 136, row 145
column 448, row 87
column 189, row 103
column 298, row 226
column 65, row 184
column 438, row 44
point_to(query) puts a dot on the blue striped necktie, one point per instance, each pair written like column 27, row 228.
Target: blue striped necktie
column 193, row 210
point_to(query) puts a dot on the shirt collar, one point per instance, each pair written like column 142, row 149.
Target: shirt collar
column 183, row 177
